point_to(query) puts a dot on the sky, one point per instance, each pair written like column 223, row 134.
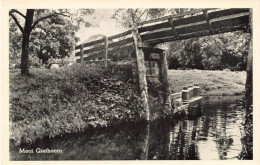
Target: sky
column 103, row 24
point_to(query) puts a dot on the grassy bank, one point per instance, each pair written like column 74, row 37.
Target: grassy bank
column 51, row 103
column 68, row 100
column 210, row 82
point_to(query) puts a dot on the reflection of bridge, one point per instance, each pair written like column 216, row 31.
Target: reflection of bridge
column 138, row 43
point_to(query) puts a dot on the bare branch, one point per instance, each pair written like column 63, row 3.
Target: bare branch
column 141, row 14
column 18, row 12
column 135, row 11
column 16, row 22
column 146, row 17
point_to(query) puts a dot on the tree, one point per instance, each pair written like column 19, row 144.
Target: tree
column 173, row 53
column 221, row 51
column 211, row 52
column 31, row 19
column 53, row 38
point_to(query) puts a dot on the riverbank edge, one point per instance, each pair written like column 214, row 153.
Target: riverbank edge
column 89, row 128
column 84, row 126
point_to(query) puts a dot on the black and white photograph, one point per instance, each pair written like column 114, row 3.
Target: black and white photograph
column 142, row 83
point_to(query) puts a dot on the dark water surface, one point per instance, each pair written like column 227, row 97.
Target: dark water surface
column 214, row 135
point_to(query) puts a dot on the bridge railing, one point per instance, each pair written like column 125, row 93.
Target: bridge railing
column 191, row 24
column 96, row 49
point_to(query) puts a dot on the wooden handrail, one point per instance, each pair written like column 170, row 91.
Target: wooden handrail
column 219, row 19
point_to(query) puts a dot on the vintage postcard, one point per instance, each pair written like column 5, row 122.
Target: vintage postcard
column 102, row 81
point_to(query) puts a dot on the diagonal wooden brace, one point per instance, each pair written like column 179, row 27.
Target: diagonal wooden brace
column 205, row 12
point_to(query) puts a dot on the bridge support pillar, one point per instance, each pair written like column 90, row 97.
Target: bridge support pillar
column 157, row 70
column 141, row 69
column 164, row 78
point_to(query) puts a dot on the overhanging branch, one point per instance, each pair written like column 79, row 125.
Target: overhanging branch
column 16, row 22
column 18, row 12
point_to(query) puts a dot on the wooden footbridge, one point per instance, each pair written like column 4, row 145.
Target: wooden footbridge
column 139, row 42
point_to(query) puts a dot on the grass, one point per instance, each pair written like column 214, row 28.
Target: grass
column 51, row 103
column 71, row 99
column 211, row 82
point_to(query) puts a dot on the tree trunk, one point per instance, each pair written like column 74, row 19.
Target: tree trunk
column 249, row 75
column 25, row 42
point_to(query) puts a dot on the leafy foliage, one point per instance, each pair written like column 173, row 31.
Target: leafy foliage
column 217, row 52
column 53, row 39
column 49, row 33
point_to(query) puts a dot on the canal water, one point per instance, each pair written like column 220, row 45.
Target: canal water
column 213, row 136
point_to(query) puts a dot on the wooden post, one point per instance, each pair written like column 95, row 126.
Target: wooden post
column 106, row 50
column 249, row 69
column 173, row 27
column 141, row 70
column 164, row 78
column 205, row 12
column 81, row 53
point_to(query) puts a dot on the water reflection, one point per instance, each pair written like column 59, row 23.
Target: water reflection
column 214, row 135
